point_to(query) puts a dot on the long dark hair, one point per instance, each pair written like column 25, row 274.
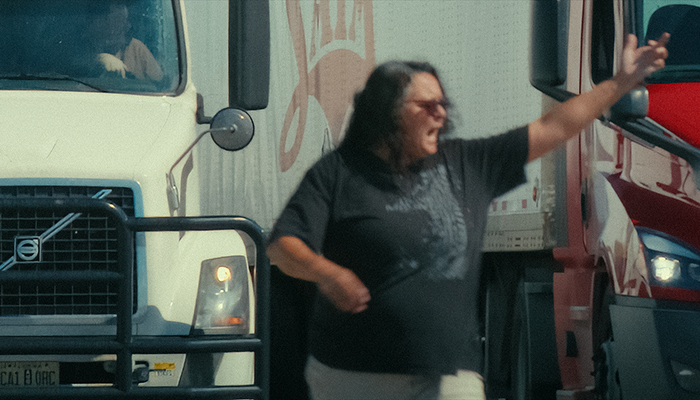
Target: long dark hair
column 375, row 119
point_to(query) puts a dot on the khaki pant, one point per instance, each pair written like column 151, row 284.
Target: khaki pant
column 326, row 383
column 465, row 385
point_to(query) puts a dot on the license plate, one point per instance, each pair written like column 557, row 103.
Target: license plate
column 14, row 374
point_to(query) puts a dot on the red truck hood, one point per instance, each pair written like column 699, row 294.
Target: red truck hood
column 676, row 106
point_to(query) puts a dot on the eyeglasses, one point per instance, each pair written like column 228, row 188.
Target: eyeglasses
column 430, row 106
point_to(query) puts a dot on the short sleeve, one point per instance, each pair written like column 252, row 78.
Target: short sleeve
column 499, row 160
column 308, row 211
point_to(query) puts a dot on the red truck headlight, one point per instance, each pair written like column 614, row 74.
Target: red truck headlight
column 674, row 266
column 665, row 268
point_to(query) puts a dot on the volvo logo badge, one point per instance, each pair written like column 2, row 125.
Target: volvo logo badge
column 27, row 249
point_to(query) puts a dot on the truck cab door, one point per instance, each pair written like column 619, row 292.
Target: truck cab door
column 548, row 65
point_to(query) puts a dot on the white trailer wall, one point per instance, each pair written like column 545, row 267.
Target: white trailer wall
column 480, row 47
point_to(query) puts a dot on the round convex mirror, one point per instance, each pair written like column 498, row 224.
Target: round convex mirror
column 232, row 129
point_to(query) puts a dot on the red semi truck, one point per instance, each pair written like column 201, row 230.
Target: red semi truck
column 619, row 220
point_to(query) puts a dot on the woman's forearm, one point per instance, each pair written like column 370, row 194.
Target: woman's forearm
column 296, row 259
column 293, row 257
column 568, row 119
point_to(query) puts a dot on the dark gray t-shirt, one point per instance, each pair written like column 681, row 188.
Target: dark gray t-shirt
column 415, row 241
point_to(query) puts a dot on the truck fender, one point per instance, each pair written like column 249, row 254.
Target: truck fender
column 177, row 299
column 618, row 244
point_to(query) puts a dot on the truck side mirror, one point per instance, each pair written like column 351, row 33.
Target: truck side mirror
column 232, row 129
column 249, row 54
column 548, row 47
column 632, row 105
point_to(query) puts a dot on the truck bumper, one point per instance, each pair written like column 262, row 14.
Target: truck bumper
column 656, row 348
column 127, row 347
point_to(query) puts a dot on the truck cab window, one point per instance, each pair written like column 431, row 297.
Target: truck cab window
column 603, row 41
column 86, row 45
column 682, row 21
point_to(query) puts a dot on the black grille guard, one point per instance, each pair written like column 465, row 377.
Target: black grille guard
column 124, row 344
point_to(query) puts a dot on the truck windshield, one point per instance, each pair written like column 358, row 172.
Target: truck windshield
column 682, row 20
column 127, row 46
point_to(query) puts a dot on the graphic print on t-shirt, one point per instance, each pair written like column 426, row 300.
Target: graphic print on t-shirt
column 444, row 236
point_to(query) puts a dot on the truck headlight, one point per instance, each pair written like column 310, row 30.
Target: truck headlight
column 665, row 268
column 671, row 262
column 223, row 297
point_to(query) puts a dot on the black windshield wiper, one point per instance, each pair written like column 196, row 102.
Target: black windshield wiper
column 29, row 77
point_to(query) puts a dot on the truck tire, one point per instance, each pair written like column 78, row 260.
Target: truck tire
column 607, row 377
column 521, row 387
column 521, row 361
column 605, row 370
column 200, row 369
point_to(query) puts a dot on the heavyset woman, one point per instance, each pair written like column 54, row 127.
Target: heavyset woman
column 389, row 226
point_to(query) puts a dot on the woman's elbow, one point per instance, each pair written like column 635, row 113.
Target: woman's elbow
column 273, row 252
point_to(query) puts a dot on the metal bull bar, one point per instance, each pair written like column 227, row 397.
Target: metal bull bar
column 124, row 344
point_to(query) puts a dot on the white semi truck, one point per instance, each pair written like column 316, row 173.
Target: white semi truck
column 112, row 283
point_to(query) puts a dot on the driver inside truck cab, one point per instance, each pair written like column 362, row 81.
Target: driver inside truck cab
column 109, row 37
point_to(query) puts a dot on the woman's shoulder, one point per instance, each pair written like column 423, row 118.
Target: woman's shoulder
column 329, row 167
column 330, row 160
column 344, row 165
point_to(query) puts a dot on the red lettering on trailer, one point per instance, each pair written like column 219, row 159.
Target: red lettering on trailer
column 344, row 62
